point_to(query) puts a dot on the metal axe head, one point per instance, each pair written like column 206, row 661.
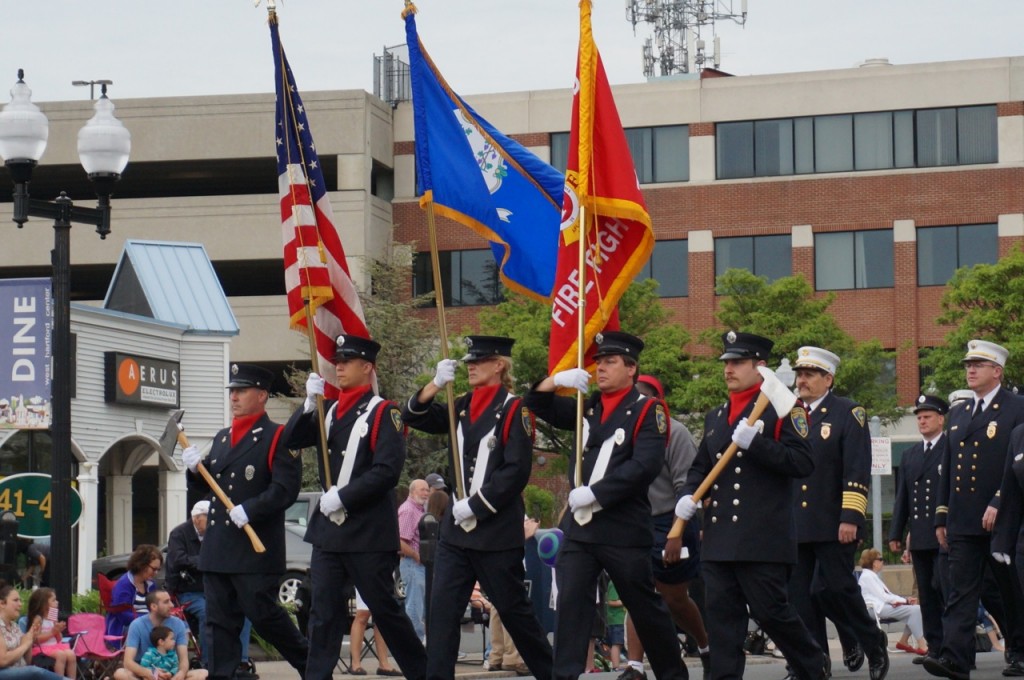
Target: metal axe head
column 170, row 436
column 781, row 397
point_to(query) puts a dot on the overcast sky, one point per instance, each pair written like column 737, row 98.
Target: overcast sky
column 194, row 47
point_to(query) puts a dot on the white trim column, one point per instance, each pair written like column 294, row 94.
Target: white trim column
column 119, row 514
column 89, row 490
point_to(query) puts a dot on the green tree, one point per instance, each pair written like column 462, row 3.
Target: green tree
column 985, row 301
column 788, row 312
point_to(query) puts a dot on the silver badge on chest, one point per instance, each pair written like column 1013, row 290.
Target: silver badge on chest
column 250, row 472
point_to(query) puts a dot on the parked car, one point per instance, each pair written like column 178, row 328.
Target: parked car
column 297, row 552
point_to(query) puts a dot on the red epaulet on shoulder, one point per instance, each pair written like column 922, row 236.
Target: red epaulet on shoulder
column 512, row 409
column 649, row 402
column 381, row 408
column 273, row 447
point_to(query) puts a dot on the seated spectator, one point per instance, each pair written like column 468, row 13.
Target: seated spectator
column 43, row 607
column 355, row 644
column 162, row 658
column 18, row 645
column 139, row 641
column 128, row 597
column 888, row 605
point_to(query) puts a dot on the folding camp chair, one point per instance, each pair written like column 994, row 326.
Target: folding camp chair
column 103, row 653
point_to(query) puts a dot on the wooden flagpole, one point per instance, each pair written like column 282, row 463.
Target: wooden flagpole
column 460, row 486
column 581, row 326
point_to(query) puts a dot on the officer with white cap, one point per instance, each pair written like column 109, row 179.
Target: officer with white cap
column 969, row 504
column 830, row 508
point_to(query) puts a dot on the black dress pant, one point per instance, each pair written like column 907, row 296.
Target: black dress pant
column 372, row 573
column 501, row 574
column 731, row 588
column 925, row 563
column 823, row 584
column 969, row 557
column 230, row 599
column 577, row 570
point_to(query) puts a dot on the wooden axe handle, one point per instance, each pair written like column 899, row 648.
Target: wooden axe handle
column 759, row 408
column 257, row 544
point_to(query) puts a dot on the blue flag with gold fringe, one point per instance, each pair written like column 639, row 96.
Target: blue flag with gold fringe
column 480, row 178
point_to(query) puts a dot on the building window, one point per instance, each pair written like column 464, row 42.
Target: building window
column 26, row 451
column 669, row 267
column 660, row 154
column 853, row 259
column 943, row 250
column 860, row 141
column 767, row 256
column 468, row 277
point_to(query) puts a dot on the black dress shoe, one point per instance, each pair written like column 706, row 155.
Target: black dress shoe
column 918, row 660
column 854, row 659
column 945, row 668
column 1014, row 670
column 878, row 662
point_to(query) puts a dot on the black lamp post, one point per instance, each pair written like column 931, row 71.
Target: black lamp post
column 103, row 147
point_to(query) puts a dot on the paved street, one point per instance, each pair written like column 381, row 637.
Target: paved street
column 758, row 667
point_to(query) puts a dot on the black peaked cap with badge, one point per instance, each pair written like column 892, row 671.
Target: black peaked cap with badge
column 745, row 346
column 929, row 402
column 355, row 347
column 485, row 346
column 247, row 375
column 617, row 342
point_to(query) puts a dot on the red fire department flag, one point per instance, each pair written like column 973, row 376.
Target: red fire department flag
column 600, row 184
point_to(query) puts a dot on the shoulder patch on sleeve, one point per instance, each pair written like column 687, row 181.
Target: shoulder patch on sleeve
column 860, row 414
column 527, row 421
column 661, row 419
column 396, row 419
column 798, row 416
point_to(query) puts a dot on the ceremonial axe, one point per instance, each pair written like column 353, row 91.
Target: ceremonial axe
column 781, row 398
column 174, row 432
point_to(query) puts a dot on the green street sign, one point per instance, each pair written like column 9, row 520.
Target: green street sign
column 28, row 496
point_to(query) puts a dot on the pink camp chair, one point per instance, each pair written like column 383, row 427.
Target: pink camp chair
column 102, row 652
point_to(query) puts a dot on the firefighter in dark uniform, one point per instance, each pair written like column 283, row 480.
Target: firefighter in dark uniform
column 609, row 523
column 482, row 537
column 252, row 465
column 972, row 469
column 917, row 490
column 749, row 543
column 355, row 533
column 830, row 507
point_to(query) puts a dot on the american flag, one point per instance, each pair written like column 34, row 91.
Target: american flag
column 314, row 260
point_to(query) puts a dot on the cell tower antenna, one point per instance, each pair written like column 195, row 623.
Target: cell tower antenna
column 679, row 28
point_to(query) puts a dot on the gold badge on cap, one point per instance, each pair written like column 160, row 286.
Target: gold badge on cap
column 991, row 431
column 250, row 472
column 826, row 430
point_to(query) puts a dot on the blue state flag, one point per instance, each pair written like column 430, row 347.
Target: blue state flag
column 477, row 176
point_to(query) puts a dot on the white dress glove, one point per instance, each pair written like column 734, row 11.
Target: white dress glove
column 744, row 434
column 330, row 502
column 445, row 372
column 461, row 511
column 238, row 516
column 581, row 497
column 1001, row 557
column 573, row 378
column 191, row 458
column 314, row 388
column 686, row 508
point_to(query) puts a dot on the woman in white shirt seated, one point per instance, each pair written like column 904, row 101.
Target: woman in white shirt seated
column 888, row 605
